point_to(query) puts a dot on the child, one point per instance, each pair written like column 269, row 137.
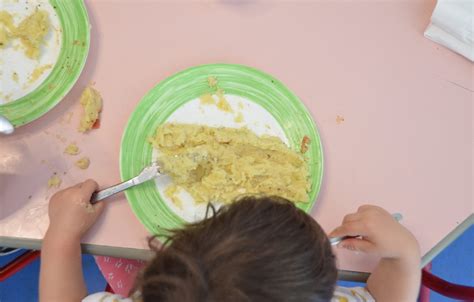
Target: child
column 256, row 249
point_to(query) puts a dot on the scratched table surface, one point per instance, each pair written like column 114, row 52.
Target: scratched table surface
column 394, row 109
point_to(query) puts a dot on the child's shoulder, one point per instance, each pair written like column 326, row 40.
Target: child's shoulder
column 352, row 294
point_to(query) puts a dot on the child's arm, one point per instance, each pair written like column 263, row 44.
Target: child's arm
column 397, row 275
column 70, row 216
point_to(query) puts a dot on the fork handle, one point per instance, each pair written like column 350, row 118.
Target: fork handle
column 102, row 194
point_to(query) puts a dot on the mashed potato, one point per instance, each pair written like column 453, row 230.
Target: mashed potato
column 219, row 164
column 31, row 31
column 91, row 102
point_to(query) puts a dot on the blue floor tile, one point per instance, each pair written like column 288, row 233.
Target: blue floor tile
column 456, row 263
column 23, row 286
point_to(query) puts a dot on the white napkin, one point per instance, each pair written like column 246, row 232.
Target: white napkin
column 452, row 25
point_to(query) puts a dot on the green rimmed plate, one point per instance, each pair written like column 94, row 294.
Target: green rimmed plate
column 75, row 42
column 266, row 103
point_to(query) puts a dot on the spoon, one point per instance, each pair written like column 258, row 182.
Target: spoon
column 5, row 126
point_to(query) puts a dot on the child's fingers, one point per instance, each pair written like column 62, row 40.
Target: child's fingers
column 98, row 207
column 351, row 217
column 358, row 245
column 89, row 186
column 366, row 208
column 353, row 228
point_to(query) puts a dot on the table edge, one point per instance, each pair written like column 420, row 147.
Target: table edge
column 144, row 254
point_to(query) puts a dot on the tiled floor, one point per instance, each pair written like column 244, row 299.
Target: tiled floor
column 454, row 264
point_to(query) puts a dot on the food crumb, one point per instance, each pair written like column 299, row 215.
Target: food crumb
column 171, row 192
column 304, row 144
column 38, row 72
column 212, row 82
column 15, row 76
column 83, row 163
column 54, row 181
column 91, row 102
column 339, row 119
column 72, row 149
column 239, row 118
column 207, row 99
column 222, row 104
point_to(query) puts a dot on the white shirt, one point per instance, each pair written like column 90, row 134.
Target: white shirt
column 341, row 294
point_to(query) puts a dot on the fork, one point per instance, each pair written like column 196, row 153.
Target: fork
column 337, row 240
column 148, row 173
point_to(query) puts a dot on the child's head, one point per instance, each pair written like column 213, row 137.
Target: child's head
column 256, row 249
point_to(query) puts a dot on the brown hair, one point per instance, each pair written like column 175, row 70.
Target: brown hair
column 256, row 249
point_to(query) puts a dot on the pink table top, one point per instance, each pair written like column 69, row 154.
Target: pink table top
column 405, row 142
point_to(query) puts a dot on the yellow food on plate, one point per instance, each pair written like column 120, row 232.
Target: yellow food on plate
column 171, row 192
column 220, row 164
column 31, row 31
column 15, row 76
column 54, row 181
column 239, row 118
column 4, row 38
column 223, row 104
column 207, row 99
column 38, row 71
column 72, row 149
column 83, row 163
column 91, row 102
column 6, row 28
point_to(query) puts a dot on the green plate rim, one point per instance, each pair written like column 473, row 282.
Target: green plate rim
column 71, row 61
column 157, row 228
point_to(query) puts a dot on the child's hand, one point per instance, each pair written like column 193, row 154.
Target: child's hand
column 70, row 212
column 381, row 234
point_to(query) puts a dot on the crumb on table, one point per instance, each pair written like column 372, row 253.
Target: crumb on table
column 72, row 149
column 54, row 181
column 91, row 102
column 339, row 119
column 83, row 163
